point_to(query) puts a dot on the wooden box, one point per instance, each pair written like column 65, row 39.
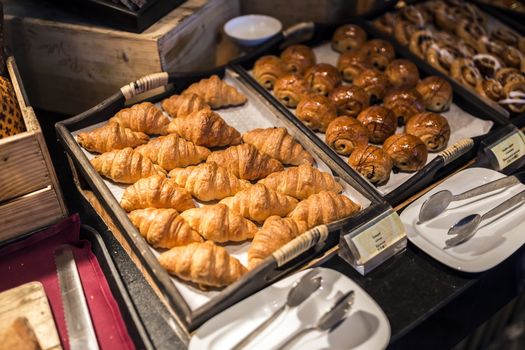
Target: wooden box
column 70, row 65
column 30, row 196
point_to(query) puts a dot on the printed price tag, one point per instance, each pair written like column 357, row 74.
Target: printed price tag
column 509, row 150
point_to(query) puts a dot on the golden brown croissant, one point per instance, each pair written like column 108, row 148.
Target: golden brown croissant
column 258, row 202
column 110, row 137
column 380, row 122
column 404, row 103
column 205, row 128
column 290, row 89
column 374, row 83
column 267, row 70
column 371, row 162
column 246, row 162
column 402, row 72
column 216, row 92
column 316, row 112
column 275, row 233
column 349, row 100
column 323, row 208
column 208, row 181
column 380, row 53
column 278, row 144
column 431, row 128
column 298, row 58
column 348, row 37
column 156, row 192
column 144, row 117
column 351, row 64
column 163, row 228
column 322, row 78
column 205, row 264
column 218, row 223
column 125, row 166
column 181, row 105
column 436, row 93
column 172, row 151
column 408, row 152
column 344, row 134
column 301, row 182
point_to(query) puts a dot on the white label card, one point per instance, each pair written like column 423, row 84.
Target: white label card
column 509, row 150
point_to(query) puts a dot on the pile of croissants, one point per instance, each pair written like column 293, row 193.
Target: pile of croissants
column 239, row 180
column 360, row 103
column 456, row 38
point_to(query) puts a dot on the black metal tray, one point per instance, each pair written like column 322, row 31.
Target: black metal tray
column 511, row 18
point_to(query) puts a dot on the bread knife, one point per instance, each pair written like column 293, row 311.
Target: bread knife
column 78, row 321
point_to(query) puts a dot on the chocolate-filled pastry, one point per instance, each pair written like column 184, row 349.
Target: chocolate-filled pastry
column 490, row 89
column 504, row 75
column 404, row 30
column 436, row 93
column 267, row 70
column 505, row 35
column 379, row 52
column 298, row 58
column 486, row 64
column 441, row 56
column 404, row 103
column 351, row 64
column 465, row 72
column 402, row 72
column 408, row 152
column 374, row 83
column 316, row 112
column 431, row 128
column 371, row 162
column 348, row 37
column 420, row 42
column 469, row 31
column 290, row 89
column 380, row 122
column 344, row 134
column 349, row 100
column 322, row 78
column 514, row 92
column 512, row 57
column 385, row 23
column 446, row 16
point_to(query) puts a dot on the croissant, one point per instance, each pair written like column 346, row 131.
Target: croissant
column 408, row 152
column 301, row 182
column 420, row 42
column 275, row 233
column 436, row 93
column 208, row 181
column 322, row 78
column 258, row 202
column 349, row 100
column 374, row 83
column 125, row 166
column 298, row 58
column 278, row 144
column 348, row 37
column 316, row 112
column 172, row 151
column 379, row 52
column 181, row 105
column 465, row 72
column 404, row 103
column 379, row 121
column 351, row 64
column 267, row 70
column 110, row 137
column 156, row 192
column 205, row 128
column 144, row 117
column 205, row 264
column 344, row 134
column 163, row 228
column 216, row 93
column 402, row 72
column 490, row 89
column 371, row 162
column 433, row 129
column 246, row 162
column 218, row 223
column 290, row 89
column 323, row 208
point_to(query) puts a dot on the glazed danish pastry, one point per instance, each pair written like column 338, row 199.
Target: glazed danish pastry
column 436, row 93
column 379, row 121
column 470, row 31
column 514, row 92
column 298, row 58
column 349, row 100
column 465, row 72
column 344, row 134
column 386, row 23
column 290, row 89
column 490, row 89
column 403, row 31
column 374, row 82
column 420, row 42
column 267, row 70
column 348, row 37
column 379, row 52
column 432, row 128
column 322, row 78
column 371, row 162
column 441, row 56
column 408, row 152
column 316, row 112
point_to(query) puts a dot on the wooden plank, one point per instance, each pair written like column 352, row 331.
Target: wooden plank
column 28, row 213
column 30, row 301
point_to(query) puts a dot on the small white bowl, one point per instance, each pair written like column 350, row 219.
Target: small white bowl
column 252, row 30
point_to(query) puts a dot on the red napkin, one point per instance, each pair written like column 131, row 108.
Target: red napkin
column 32, row 260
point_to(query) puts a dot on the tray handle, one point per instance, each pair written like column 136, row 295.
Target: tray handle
column 144, row 84
column 456, row 150
column 301, row 28
column 300, row 244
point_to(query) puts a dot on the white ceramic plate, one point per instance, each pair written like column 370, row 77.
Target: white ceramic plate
column 496, row 238
column 365, row 328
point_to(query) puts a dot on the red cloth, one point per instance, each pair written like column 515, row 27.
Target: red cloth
column 32, row 260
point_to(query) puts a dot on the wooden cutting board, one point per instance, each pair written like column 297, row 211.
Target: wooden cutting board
column 30, row 301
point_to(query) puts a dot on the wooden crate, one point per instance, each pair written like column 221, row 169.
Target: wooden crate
column 70, row 65
column 30, row 196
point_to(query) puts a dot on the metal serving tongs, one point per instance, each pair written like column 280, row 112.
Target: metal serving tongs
column 439, row 201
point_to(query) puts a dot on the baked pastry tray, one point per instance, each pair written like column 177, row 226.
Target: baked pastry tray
column 191, row 305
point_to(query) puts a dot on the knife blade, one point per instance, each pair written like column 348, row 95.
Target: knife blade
column 78, row 321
